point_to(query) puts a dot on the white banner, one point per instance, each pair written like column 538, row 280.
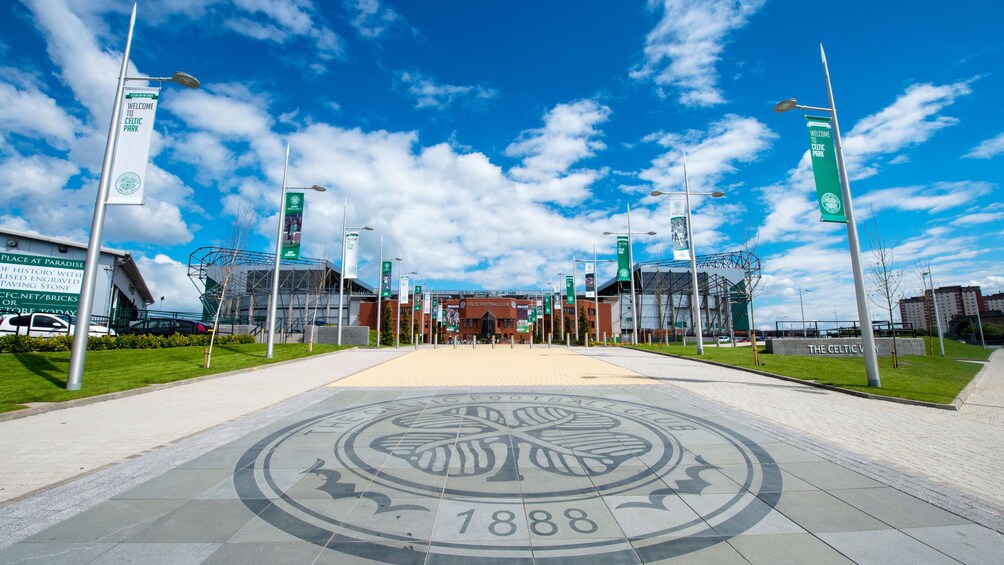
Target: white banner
column 540, row 309
column 351, row 267
column 556, row 301
column 402, row 290
column 678, row 226
column 427, row 303
column 132, row 149
column 440, row 317
column 590, row 281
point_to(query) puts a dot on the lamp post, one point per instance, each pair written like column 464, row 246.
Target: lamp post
column 380, row 293
column 634, row 309
column 78, row 350
column 341, row 274
column 867, row 333
column 413, row 310
column 274, row 298
column 596, row 291
column 937, row 320
column 802, row 308
column 695, row 298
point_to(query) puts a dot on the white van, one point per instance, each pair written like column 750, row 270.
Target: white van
column 41, row 324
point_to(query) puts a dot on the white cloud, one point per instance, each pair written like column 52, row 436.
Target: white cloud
column 683, row 49
column 169, row 278
column 937, row 197
column 372, row 20
column 26, row 110
column 428, row 94
column 569, row 135
column 987, row 149
column 229, row 115
column 710, row 155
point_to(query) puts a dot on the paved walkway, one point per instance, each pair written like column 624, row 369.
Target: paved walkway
column 985, row 402
column 501, row 456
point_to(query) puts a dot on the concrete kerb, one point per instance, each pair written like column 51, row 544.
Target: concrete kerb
column 49, row 407
column 952, row 407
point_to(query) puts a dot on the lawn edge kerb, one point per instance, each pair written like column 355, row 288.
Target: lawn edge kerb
column 954, row 406
column 51, row 406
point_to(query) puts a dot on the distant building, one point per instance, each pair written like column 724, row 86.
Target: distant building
column 993, row 302
column 44, row 274
column 952, row 301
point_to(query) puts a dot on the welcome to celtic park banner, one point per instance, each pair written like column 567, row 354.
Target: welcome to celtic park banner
column 33, row 283
column 351, row 267
column 824, row 169
column 132, row 151
column 547, row 304
column 569, row 290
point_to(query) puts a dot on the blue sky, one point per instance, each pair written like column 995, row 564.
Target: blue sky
column 489, row 142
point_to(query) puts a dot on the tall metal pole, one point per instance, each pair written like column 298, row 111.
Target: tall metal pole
column 274, row 298
column 380, row 295
column 802, row 308
column 979, row 323
column 397, row 314
column 634, row 309
column 696, row 296
column 867, row 334
column 341, row 273
column 78, row 351
column 596, row 298
column 575, row 302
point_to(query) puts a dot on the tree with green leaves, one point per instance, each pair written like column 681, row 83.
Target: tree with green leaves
column 387, row 323
column 406, row 325
column 584, row 329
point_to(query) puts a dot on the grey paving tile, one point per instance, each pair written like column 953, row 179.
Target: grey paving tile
column 641, row 516
column 628, row 480
column 885, row 546
column 259, row 553
column 790, row 549
column 411, row 518
column 157, row 553
column 585, row 519
column 198, row 521
column 355, row 553
column 615, row 552
column 741, row 514
column 697, row 551
column 970, row 543
column 177, row 484
column 817, row 511
column 495, row 557
column 111, row 521
column 782, row 482
column 896, row 508
column 461, row 521
column 53, row 553
column 220, row 458
column 826, row 475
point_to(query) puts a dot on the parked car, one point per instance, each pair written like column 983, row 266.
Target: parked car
column 724, row 339
column 40, row 324
column 167, row 326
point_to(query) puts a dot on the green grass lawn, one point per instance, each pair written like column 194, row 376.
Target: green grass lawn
column 925, row 378
column 41, row 377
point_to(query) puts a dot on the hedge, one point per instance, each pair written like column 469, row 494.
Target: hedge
column 12, row 343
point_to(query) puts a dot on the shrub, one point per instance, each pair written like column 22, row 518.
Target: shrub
column 12, row 343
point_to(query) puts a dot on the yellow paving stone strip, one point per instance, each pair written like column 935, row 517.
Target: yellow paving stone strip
column 499, row 367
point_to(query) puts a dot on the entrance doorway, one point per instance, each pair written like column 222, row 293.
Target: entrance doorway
column 487, row 327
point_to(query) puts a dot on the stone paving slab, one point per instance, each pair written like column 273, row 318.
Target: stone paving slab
column 377, row 472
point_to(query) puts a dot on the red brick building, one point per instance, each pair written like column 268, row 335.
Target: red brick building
column 482, row 318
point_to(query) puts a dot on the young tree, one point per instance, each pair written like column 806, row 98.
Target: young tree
column 753, row 285
column 236, row 238
column 387, row 325
column 584, row 330
column 406, row 324
column 886, row 281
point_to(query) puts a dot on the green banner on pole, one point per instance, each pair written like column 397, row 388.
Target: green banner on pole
column 385, row 272
column 435, row 310
column 418, row 292
column 569, row 290
column 291, row 225
column 824, row 169
column 623, row 259
column 547, row 304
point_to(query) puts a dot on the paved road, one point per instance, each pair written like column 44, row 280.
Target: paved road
column 501, row 456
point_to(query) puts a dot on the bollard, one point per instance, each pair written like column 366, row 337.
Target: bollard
column 650, row 339
column 531, row 342
column 604, row 339
column 474, row 343
column 587, row 340
column 435, row 341
column 455, row 343
column 414, row 339
column 397, row 341
column 568, row 340
column 666, row 338
column 549, row 341
column 512, row 342
column 493, row 342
